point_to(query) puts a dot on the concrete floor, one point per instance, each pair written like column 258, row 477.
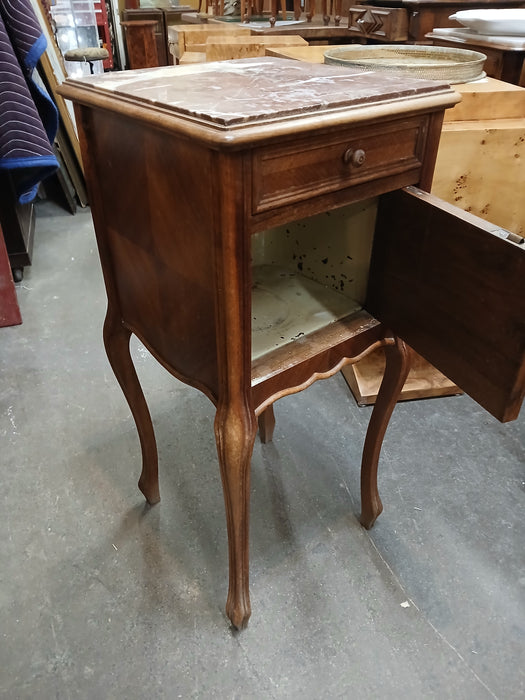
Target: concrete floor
column 104, row 597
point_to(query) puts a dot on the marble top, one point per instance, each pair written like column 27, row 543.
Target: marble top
column 230, row 93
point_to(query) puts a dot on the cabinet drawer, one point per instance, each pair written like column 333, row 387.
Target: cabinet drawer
column 453, row 287
column 384, row 23
column 283, row 175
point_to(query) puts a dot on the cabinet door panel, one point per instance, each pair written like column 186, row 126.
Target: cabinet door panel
column 453, row 287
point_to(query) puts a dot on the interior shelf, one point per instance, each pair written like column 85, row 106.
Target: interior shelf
column 296, row 319
column 287, row 306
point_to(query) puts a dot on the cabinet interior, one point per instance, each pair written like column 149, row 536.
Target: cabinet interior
column 309, row 273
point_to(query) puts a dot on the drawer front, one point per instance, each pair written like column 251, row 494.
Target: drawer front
column 283, row 175
column 453, row 287
column 383, row 23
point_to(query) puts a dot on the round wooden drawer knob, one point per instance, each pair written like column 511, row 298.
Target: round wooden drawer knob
column 355, row 158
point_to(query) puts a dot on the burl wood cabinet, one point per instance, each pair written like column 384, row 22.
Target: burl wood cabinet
column 189, row 166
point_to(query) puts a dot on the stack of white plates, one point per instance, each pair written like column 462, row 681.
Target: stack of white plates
column 506, row 22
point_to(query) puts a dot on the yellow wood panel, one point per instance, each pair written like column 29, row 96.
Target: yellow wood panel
column 312, row 54
column 192, row 57
column 228, row 48
column 481, row 168
column 488, row 99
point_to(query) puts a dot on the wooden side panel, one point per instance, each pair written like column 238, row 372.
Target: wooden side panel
column 9, row 310
column 432, row 14
column 155, row 228
column 454, row 289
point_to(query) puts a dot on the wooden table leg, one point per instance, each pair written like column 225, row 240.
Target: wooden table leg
column 273, row 12
column 309, row 7
column 324, row 9
column 235, row 430
column 116, row 341
column 266, row 425
column 521, row 80
column 337, row 12
column 396, row 371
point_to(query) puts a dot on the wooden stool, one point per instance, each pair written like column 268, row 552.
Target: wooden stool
column 87, row 55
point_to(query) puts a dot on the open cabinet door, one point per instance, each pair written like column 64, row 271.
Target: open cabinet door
column 452, row 286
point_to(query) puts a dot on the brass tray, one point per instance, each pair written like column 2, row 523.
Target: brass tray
column 426, row 62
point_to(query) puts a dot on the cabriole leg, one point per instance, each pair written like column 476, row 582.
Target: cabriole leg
column 235, row 432
column 266, row 423
column 116, row 341
column 396, row 371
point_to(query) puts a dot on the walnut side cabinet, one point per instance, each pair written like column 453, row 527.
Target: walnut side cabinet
column 187, row 165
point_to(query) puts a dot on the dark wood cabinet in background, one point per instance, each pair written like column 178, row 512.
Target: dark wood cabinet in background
column 409, row 20
column 159, row 32
column 163, row 18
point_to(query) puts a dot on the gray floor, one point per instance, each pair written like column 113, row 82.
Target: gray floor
column 104, row 597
